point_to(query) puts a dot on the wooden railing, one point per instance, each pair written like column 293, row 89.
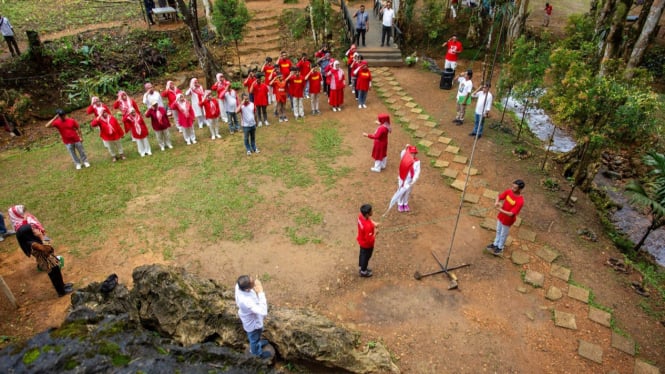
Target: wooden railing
column 348, row 20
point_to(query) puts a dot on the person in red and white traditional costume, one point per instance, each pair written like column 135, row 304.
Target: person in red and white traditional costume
column 350, row 59
column 170, row 93
column 315, row 80
column 97, row 107
column 185, row 117
column 196, row 93
column 135, row 125
column 409, row 172
column 111, row 134
column 260, row 91
column 363, row 83
column 296, row 88
column 220, row 86
column 160, row 124
column 337, row 82
column 124, row 103
column 380, row 136
column 70, row 132
column 212, row 113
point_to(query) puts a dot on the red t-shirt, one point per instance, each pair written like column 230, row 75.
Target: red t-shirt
column 315, row 83
column 363, row 79
column 285, row 66
column 297, row 86
column 454, row 48
column 365, row 232
column 67, row 129
column 280, row 91
column 304, row 66
column 511, row 203
column 260, row 92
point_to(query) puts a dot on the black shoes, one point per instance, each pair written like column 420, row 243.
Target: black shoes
column 366, row 274
column 69, row 288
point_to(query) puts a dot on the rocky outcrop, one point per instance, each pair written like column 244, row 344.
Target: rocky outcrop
column 173, row 321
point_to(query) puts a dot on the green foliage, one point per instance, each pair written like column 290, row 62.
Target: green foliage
column 230, row 18
column 165, row 45
column 31, row 356
column 81, row 90
column 526, row 69
column 432, row 18
column 290, row 1
column 297, row 21
column 321, row 15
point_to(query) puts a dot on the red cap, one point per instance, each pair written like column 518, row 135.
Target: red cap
column 383, row 117
column 412, row 149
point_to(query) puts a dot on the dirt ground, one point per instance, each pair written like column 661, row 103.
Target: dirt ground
column 484, row 326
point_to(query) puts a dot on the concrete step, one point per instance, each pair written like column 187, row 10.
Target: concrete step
column 379, row 62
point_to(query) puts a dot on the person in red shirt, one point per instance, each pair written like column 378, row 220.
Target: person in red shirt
column 336, row 97
column 70, row 132
column 547, row 15
column 296, row 85
column 185, row 118
column 354, row 64
column 260, row 91
column 279, row 88
column 314, row 80
column 284, row 63
column 97, row 107
column 269, row 70
column 363, row 83
column 380, row 136
column 170, row 93
column 367, row 231
column 111, row 134
column 135, row 125
column 160, row 124
column 513, row 201
column 212, row 112
column 305, row 66
column 350, row 59
column 454, row 48
column 248, row 82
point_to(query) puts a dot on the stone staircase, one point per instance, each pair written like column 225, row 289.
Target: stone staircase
column 382, row 56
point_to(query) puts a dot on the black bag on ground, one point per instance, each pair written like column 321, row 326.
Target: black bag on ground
column 447, row 79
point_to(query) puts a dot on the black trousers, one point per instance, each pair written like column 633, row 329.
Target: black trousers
column 360, row 33
column 385, row 34
column 56, row 279
column 13, row 46
column 363, row 258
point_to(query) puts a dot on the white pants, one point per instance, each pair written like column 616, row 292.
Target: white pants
column 188, row 134
column 450, row 65
column 404, row 200
column 298, row 109
column 114, row 147
column 315, row 102
column 174, row 113
column 381, row 164
column 213, row 125
column 163, row 138
column 201, row 121
column 143, row 146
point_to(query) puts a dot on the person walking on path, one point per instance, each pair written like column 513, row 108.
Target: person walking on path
column 362, row 25
column 454, row 48
column 367, row 231
column 483, row 105
column 463, row 96
column 7, row 31
column 508, row 203
column 387, row 14
column 160, row 124
column 409, row 172
column 70, row 132
column 135, row 126
column 111, row 134
column 248, row 121
column 185, row 118
column 252, row 309
column 547, row 15
column 380, row 136
column 32, row 239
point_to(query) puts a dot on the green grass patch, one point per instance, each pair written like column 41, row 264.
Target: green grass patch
column 326, row 146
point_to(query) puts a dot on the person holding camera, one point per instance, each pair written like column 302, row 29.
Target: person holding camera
column 252, row 309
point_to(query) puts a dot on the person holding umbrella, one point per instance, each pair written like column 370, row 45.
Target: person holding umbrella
column 409, row 172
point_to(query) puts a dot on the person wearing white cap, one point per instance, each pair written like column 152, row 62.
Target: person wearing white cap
column 160, row 124
column 151, row 94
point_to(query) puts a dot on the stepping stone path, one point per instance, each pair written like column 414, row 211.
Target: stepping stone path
column 453, row 161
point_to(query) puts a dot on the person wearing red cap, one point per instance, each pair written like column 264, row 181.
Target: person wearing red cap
column 367, row 231
column 409, row 172
column 363, row 83
column 380, row 136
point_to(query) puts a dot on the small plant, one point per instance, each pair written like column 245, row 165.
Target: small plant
column 371, row 344
column 411, row 60
column 290, row 1
column 551, row 184
column 165, row 45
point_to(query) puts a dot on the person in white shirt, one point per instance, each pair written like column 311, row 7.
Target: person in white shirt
column 388, row 14
column 8, row 33
column 247, row 112
column 252, row 309
column 151, row 95
column 483, row 106
column 463, row 96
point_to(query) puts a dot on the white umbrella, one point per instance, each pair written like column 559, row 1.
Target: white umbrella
column 398, row 195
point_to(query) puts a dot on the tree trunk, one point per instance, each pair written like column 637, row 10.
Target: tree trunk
column 36, row 51
column 640, row 46
column 208, row 10
column 475, row 24
column 614, row 37
column 639, row 245
column 517, row 22
column 206, row 60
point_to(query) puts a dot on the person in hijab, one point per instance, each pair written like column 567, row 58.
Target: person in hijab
column 160, row 124
column 196, row 94
column 125, row 103
column 135, row 125
column 380, row 136
column 111, row 134
column 337, row 82
column 97, row 107
column 185, row 118
column 31, row 237
column 170, row 93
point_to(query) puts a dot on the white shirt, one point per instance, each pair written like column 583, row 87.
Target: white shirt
column 484, row 104
column 247, row 114
column 252, row 308
column 388, row 15
column 230, row 100
column 148, row 99
column 6, row 27
column 465, row 87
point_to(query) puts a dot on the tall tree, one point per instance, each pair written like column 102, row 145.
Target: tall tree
column 519, row 13
column 206, row 59
column 648, row 28
column 231, row 17
column 651, row 194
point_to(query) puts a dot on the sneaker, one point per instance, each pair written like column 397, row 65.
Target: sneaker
column 360, row 106
column 218, row 136
column 86, row 164
column 365, row 274
column 170, row 146
column 142, row 154
column 339, row 109
column 149, row 153
column 162, row 148
column 2, row 238
column 260, row 123
column 281, row 120
column 267, row 124
column 257, row 151
column 123, row 157
column 78, row 166
column 491, row 247
column 114, row 159
column 376, row 170
column 400, row 208
column 364, row 106
column 193, row 141
column 212, row 137
column 189, row 142
column 286, row 119
column 334, row 109
column 497, row 252
column 406, row 208
column 249, row 153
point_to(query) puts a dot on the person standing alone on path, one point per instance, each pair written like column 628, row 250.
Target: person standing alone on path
column 362, row 25
column 547, row 15
column 513, row 201
column 483, row 106
column 387, row 16
column 8, row 33
column 252, row 309
column 247, row 112
column 70, row 132
column 367, row 231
